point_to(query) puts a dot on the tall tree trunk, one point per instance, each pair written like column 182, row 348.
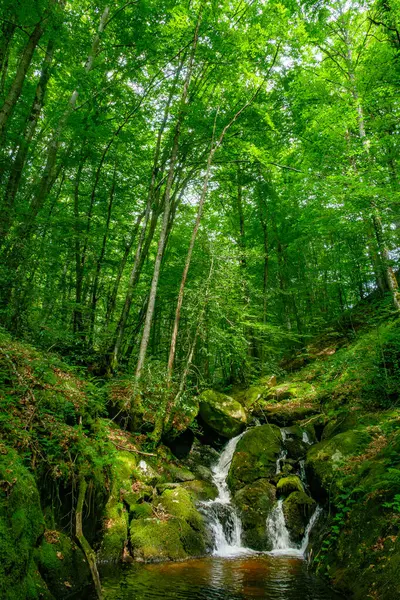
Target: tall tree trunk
column 100, row 259
column 388, row 273
column 30, row 128
column 121, row 266
column 8, row 30
column 22, row 69
column 214, row 148
column 49, row 173
column 79, row 266
column 141, row 249
column 167, row 206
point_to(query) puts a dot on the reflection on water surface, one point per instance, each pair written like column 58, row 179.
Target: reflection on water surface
column 241, row 578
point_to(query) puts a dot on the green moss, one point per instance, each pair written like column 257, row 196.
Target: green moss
column 255, row 456
column 180, row 473
column 201, row 490
column 62, row 565
column 254, row 503
column 289, row 484
column 325, row 460
column 21, row 526
column 298, row 508
column 222, row 413
column 115, row 520
column 175, row 531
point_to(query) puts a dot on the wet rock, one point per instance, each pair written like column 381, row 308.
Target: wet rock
column 201, row 490
column 222, row 413
column 295, row 442
column 298, row 508
column 254, row 503
column 255, row 456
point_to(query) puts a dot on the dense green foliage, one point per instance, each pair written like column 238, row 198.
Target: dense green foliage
column 195, row 196
column 110, row 114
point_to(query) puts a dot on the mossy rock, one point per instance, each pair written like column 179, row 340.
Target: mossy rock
column 325, row 460
column 296, row 389
column 346, row 420
column 287, row 412
column 289, row 484
column 203, row 472
column 255, row 456
column 298, row 508
column 201, row 490
column 143, row 510
column 21, row 527
column 295, row 444
column 115, row 521
column 176, row 530
column 180, row 474
column 62, row 565
column 254, row 503
column 251, row 396
column 225, row 415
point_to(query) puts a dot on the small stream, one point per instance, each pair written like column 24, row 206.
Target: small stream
column 233, row 572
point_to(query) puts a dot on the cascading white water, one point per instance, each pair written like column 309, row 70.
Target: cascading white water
column 277, row 529
column 225, row 523
column 223, row 519
column 279, row 534
column 282, row 454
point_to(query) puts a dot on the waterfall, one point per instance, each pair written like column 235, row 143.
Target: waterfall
column 279, row 534
column 223, row 519
column 225, row 523
column 277, row 529
column 282, row 454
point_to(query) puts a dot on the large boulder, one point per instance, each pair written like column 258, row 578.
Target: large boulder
column 298, row 508
column 172, row 529
column 62, row 565
column 222, row 413
column 21, row 528
column 255, row 456
column 254, row 503
column 325, row 460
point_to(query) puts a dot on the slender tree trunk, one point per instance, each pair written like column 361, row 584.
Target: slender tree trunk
column 48, row 178
column 121, row 266
column 79, row 266
column 389, row 275
column 200, row 209
column 141, row 249
column 8, row 30
column 30, row 128
column 16, row 87
column 167, row 207
column 100, row 259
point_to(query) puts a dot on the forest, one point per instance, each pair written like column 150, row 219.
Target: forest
column 199, row 200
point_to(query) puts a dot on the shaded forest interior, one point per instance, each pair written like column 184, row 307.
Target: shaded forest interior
column 191, row 191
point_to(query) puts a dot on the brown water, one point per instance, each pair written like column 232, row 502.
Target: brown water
column 212, row 578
